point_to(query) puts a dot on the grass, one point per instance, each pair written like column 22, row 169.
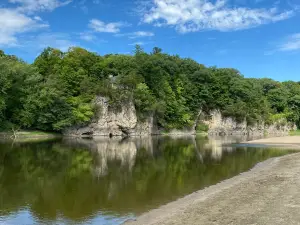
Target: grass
column 295, row 133
column 35, row 133
column 165, row 132
column 201, row 133
column 29, row 134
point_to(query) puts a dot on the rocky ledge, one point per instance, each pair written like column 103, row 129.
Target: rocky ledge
column 124, row 122
column 109, row 122
column 219, row 125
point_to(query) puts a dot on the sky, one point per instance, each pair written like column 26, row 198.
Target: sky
column 260, row 38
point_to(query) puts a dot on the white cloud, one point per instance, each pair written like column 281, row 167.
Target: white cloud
column 292, row 43
column 31, row 6
column 37, row 18
column 137, row 34
column 36, row 43
column 86, row 36
column 83, row 7
column 99, row 26
column 141, row 34
column 13, row 23
column 140, row 43
column 137, row 43
column 56, row 40
column 195, row 15
column 96, row 2
column 222, row 52
column 22, row 18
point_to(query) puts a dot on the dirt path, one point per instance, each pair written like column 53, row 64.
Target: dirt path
column 268, row 194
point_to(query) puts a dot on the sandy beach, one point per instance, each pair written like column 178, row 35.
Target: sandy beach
column 267, row 194
column 282, row 141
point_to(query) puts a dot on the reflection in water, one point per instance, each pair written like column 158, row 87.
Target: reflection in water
column 106, row 181
column 125, row 152
column 218, row 147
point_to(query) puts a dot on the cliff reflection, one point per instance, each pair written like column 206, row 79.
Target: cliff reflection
column 80, row 179
column 218, row 146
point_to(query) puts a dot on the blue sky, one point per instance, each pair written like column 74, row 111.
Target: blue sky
column 261, row 38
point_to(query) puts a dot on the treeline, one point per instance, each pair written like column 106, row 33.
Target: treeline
column 58, row 89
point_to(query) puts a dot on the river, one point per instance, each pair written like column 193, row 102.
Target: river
column 108, row 181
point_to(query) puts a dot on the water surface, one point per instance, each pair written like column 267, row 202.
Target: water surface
column 107, row 181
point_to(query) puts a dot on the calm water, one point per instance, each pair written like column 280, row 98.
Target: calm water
column 82, row 181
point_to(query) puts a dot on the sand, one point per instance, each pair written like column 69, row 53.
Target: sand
column 284, row 141
column 267, row 194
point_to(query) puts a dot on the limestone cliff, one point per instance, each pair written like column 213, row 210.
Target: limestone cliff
column 124, row 122
column 219, row 125
column 109, row 122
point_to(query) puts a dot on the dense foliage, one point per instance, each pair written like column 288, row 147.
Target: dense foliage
column 58, row 89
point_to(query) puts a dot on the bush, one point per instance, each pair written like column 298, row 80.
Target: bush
column 201, row 127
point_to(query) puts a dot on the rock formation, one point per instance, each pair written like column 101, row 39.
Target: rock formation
column 124, row 122
column 219, row 125
column 109, row 122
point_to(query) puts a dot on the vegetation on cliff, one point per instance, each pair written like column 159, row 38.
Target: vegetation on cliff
column 58, row 89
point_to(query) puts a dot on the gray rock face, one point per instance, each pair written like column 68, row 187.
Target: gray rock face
column 107, row 122
column 228, row 126
column 124, row 122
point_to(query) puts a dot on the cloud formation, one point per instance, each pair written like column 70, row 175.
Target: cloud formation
column 137, row 34
column 60, row 41
column 22, row 18
column 31, row 6
column 87, row 36
column 101, row 27
column 292, row 43
column 13, row 23
column 137, row 43
column 196, row 15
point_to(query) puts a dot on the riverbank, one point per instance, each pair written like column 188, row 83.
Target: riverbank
column 286, row 141
column 28, row 135
column 267, row 194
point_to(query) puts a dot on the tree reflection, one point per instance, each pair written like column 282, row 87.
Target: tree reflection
column 77, row 179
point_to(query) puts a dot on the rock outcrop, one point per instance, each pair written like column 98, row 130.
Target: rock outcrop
column 109, row 122
column 124, row 122
column 219, row 125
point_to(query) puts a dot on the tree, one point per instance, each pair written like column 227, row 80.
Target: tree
column 138, row 50
column 156, row 50
column 59, row 88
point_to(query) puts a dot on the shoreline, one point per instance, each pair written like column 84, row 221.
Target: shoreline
column 174, row 133
column 284, row 140
column 28, row 135
column 198, row 207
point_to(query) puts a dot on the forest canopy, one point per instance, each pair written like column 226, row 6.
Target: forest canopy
column 57, row 90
